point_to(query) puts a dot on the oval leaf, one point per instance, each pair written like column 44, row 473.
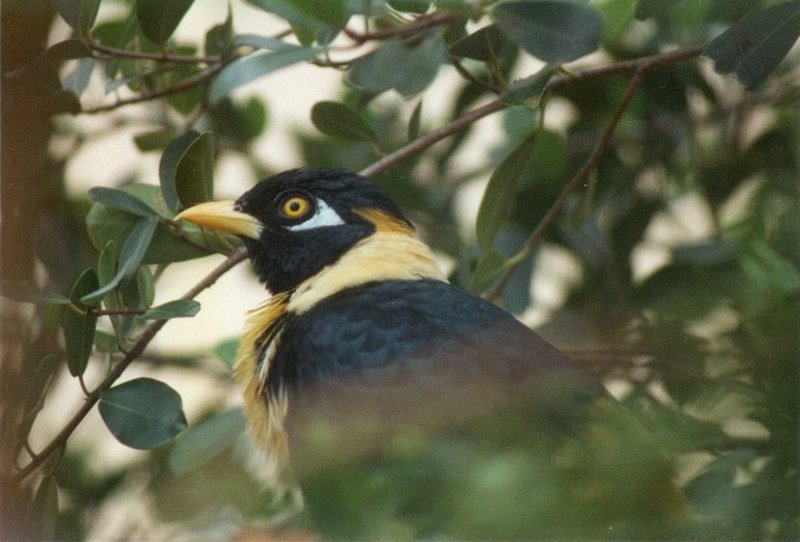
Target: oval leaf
column 499, row 194
column 130, row 258
column 117, row 199
column 555, row 31
column 158, row 19
column 226, row 351
column 79, row 14
column 252, row 67
column 488, row 268
column 105, row 224
column 186, row 170
column 339, row 120
column 142, row 413
column 79, row 328
column 485, row 44
column 752, row 48
column 206, row 441
column 180, row 308
column 396, row 66
column 523, row 90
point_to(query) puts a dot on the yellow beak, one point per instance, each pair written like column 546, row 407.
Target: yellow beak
column 221, row 216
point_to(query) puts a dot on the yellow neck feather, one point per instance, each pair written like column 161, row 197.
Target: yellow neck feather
column 391, row 253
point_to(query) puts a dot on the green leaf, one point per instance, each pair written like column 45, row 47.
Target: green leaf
column 117, row 199
column 308, row 13
column 226, row 351
column 521, row 91
column 768, row 269
column 753, row 47
column 106, row 269
column 131, row 256
column 485, row 44
column 145, row 286
column 396, row 66
column 180, row 308
column 142, row 413
column 617, row 15
column 79, row 328
column 106, row 225
column 219, row 38
column 339, row 120
column 488, row 268
column 410, row 6
column 262, row 42
column 499, row 196
column 241, row 123
column 158, row 19
column 186, row 170
column 555, row 31
column 252, row 67
column 79, row 14
column 204, row 442
column 154, row 140
column 415, row 121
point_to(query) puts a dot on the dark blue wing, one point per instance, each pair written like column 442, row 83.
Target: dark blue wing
column 397, row 345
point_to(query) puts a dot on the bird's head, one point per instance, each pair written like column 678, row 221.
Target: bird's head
column 297, row 223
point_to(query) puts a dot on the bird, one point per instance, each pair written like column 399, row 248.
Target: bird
column 406, row 407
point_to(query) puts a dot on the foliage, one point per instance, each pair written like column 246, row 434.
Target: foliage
column 702, row 344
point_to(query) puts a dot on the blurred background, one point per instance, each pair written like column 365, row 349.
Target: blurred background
column 672, row 272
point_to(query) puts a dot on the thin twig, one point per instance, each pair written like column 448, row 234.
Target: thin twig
column 423, row 23
column 572, row 185
column 422, row 143
column 159, row 57
column 186, row 84
column 557, row 83
column 138, row 347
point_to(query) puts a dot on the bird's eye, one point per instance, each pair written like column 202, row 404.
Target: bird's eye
column 295, row 207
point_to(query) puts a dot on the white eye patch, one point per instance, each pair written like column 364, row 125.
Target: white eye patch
column 323, row 216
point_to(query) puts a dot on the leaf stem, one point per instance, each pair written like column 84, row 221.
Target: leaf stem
column 186, row 84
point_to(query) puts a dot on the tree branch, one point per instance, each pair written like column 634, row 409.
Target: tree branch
column 186, row 84
column 557, row 83
column 141, row 343
column 572, row 185
column 423, row 23
column 159, row 57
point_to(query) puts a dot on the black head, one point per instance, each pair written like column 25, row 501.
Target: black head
column 297, row 222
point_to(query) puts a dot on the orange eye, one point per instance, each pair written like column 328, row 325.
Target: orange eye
column 295, row 207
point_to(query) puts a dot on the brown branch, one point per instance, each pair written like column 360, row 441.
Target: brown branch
column 422, row 143
column 60, row 440
column 186, row 84
column 423, row 23
column 158, row 57
column 572, row 185
column 557, row 83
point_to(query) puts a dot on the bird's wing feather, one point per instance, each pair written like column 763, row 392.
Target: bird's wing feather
column 409, row 345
